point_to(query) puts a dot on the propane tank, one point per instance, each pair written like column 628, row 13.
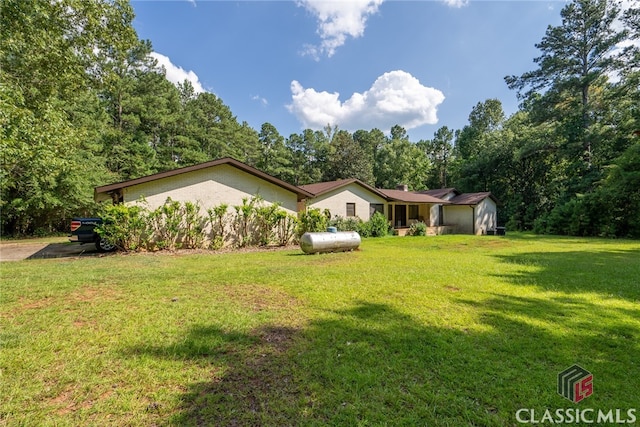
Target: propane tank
column 340, row 241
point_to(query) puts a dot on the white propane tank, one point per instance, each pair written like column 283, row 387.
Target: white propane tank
column 340, row 241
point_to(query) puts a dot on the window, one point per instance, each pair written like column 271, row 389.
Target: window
column 351, row 209
column 413, row 211
column 376, row 207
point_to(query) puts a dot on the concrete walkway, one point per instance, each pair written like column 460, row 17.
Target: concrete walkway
column 17, row 251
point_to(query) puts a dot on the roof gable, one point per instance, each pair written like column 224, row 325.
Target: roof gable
column 320, row 188
column 472, row 198
column 223, row 161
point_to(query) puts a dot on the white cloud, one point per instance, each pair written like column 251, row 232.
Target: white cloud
column 260, row 99
column 176, row 74
column 338, row 20
column 456, row 3
column 394, row 98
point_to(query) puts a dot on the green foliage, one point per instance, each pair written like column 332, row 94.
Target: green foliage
column 398, row 161
column 346, row 224
column 285, row 228
column 347, row 160
column 125, row 226
column 218, row 218
column 194, row 226
column 417, row 229
column 610, row 210
column 267, row 218
column 243, row 221
column 258, row 223
column 312, row 220
column 379, row 225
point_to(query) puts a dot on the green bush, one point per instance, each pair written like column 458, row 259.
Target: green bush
column 312, row 220
column 378, row 225
column 218, row 218
column 126, row 227
column 346, row 224
column 417, row 229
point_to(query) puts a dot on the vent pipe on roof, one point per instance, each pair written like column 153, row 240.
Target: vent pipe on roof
column 402, row 187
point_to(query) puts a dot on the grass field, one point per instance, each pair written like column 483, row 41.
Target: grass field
column 439, row 331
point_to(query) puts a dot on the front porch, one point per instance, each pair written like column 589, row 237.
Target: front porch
column 403, row 215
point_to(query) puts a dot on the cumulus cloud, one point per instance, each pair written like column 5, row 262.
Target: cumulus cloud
column 176, row 74
column 338, row 20
column 394, row 98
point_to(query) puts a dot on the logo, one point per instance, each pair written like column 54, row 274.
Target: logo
column 575, row 383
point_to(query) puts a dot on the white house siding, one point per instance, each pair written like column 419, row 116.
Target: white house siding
column 460, row 217
column 486, row 216
column 434, row 216
column 336, row 201
column 211, row 187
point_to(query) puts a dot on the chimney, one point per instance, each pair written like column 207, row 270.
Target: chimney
column 402, row 187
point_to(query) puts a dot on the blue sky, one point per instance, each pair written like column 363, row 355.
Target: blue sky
column 358, row 64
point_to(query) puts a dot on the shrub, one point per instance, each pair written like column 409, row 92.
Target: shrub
column 311, row 220
column 266, row 218
column 126, row 227
column 417, row 229
column 379, row 226
column 243, row 221
column 166, row 221
column 346, row 224
column 285, row 227
column 193, row 226
column 218, row 218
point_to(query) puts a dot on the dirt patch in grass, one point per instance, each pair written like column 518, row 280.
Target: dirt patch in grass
column 65, row 403
column 82, row 295
column 88, row 294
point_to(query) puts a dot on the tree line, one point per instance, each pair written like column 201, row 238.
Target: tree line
column 83, row 103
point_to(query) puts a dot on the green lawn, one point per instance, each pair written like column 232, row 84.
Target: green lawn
column 436, row 331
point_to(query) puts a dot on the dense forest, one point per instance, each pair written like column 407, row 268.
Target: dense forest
column 83, row 104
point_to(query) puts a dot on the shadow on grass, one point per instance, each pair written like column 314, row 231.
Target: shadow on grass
column 608, row 272
column 373, row 364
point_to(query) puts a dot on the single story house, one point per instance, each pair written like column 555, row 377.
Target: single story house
column 212, row 183
column 229, row 181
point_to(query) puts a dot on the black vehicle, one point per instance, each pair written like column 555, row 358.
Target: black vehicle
column 83, row 231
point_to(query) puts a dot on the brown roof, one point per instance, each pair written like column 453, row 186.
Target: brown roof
column 472, row 198
column 411, row 197
column 320, row 188
column 439, row 192
column 224, row 161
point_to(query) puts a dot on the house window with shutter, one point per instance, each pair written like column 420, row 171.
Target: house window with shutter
column 351, row 209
